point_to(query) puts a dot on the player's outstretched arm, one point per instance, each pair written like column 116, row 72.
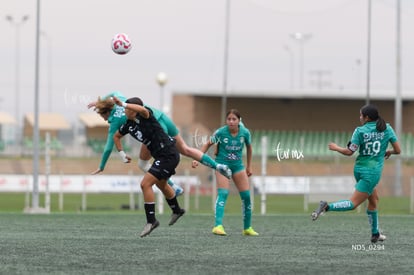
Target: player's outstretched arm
column 91, row 104
column 97, row 171
column 396, row 150
column 117, row 140
column 343, row 150
column 203, row 150
column 249, row 154
column 141, row 110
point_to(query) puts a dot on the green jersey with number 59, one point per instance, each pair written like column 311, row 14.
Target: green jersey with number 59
column 371, row 145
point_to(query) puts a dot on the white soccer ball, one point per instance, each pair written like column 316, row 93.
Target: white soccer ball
column 121, row 44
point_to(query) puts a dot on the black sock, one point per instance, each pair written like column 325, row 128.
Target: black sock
column 150, row 211
column 173, row 203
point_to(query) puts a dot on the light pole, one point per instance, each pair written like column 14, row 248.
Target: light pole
column 225, row 61
column 398, row 100
column 162, row 80
column 301, row 38
column 358, row 63
column 17, row 24
column 291, row 66
column 36, row 138
column 368, row 83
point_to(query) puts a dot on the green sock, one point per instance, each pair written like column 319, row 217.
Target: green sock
column 208, row 161
column 220, row 204
column 373, row 220
column 344, row 205
column 246, row 208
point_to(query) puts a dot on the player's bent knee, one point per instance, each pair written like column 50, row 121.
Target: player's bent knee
column 144, row 165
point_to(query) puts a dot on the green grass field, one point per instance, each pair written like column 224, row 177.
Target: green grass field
column 107, row 243
column 275, row 204
column 104, row 239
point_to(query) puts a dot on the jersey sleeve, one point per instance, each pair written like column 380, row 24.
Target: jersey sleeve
column 107, row 151
column 123, row 129
column 355, row 142
column 393, row 137
column 109, row 145
column 248, row 137
column 156, row 113
column 215, row 137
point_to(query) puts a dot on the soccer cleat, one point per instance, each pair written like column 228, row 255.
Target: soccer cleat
column 224, row 170
column 323, row 207
column 149, row 227
column 178, row 190
column 378, row 237
column 176, row 216
column 250, row 232
column 219, row 230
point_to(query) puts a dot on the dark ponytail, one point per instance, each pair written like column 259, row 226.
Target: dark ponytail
column 371, row 112
column 381, row 124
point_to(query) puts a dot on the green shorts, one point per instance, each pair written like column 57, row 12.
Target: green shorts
column 366, row 181
column 168, row 125
column 235, row 167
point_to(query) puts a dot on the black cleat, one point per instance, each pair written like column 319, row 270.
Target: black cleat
column 224, row 170
column 378, row 238
column 323, row 207
column 149, row 227
column 176, row 216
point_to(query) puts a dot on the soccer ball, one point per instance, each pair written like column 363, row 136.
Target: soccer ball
column 121, row 44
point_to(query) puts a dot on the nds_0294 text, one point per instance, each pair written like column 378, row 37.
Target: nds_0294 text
column 368, row 247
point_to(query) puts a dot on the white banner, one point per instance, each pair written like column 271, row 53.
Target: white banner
column 81, row 183
column 281, row 185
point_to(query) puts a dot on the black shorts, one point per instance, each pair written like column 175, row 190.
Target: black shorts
column 165, row 163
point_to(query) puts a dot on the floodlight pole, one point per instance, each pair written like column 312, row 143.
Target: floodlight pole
column 35, row 194
column 398, row 101
column 301, row 38
column 358, row 74
column 225, row 64
column 291, row 66
column 368, row 88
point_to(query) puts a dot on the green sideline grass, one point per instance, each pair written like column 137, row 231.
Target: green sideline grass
column 107, row 243
column 275, row 204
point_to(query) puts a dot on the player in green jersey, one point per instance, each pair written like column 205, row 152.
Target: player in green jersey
column 230, row 140
column 371, row 141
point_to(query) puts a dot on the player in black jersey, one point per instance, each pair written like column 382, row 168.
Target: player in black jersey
column 143, row 126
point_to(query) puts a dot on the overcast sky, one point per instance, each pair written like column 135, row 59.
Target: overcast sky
column 185, row 39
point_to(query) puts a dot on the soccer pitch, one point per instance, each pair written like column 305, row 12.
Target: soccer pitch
column 108, row 243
